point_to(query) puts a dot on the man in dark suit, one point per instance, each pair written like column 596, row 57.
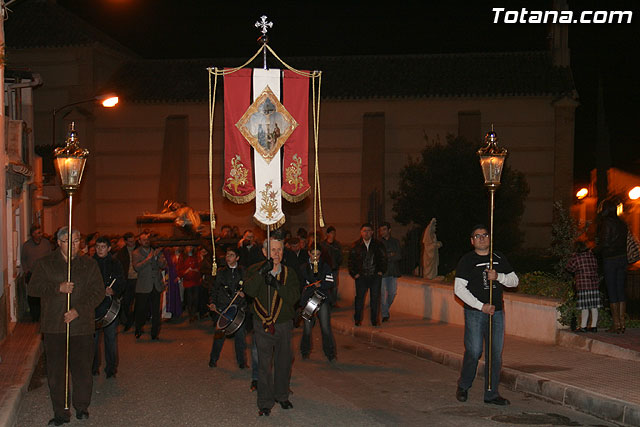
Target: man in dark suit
column 125, row 255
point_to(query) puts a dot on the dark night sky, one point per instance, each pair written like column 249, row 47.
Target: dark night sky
column 213, row 28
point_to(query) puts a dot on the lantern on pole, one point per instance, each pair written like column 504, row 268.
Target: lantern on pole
column 70, row 161
column 492, row 160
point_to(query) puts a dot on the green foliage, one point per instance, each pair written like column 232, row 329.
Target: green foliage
column 564, row 231
column 446, row 183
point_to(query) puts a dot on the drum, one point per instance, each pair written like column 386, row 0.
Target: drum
column 110, row 315
column 313, row 305
column 231, row 319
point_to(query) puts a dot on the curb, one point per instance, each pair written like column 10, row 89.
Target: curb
column 11, row 404
column 592, row 403
column 581, row 342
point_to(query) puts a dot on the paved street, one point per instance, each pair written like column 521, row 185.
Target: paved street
column 169, row 383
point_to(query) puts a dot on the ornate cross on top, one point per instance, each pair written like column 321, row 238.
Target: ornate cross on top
column 264, row 24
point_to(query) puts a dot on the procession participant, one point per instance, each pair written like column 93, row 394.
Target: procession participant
column 249, row 251
column 114, row 286
column 228, row 282
column 86, row 290
column 189, row 271
column 32, row 250
column 473, row 277
column 148, row 262
column 335, row 250
column 390, row 277
column 125, row 256
column 367, row 263
column 322, row 280
column 275, row 289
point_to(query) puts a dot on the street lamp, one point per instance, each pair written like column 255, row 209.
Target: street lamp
column 492, row 162
column 106, row 100
column 70, row 161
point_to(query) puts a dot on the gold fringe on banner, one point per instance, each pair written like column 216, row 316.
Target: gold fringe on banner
column 317, row 201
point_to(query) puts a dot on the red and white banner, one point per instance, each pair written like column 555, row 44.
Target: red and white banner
column 276, row 120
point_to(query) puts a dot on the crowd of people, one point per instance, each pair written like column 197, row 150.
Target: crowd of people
column 270, row 284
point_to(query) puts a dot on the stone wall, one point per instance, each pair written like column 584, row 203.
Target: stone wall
column 526, row 316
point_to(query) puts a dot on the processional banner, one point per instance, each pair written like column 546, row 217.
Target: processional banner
column 266, row 111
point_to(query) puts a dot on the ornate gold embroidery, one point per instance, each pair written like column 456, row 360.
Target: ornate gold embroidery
column 238, row 174
column 269, row 204
column 294, row 173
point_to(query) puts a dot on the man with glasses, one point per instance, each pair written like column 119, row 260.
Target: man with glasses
column 49, row 282
column 472, row 282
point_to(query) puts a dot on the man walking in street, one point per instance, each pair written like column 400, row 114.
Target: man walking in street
column 148, row 263
column 32, row 250
column 334, row 248
column 472, row 283
column 390, row 277
column 275, row 290
column 125, row 255
column 367, row 263
column 49, row 282
column 114, row 284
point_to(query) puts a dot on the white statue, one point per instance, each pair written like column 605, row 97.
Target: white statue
column 430, row 246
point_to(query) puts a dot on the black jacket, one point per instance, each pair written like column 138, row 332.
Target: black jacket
column 228, row 281
column 111, row 269
column 367, row 263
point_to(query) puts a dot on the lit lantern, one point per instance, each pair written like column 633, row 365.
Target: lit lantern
column 492, row 160
column 70, row 161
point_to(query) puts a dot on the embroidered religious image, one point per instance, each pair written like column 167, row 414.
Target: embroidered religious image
column 266, row 125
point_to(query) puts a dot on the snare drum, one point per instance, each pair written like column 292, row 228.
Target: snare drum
column 231, row 319
column 111, row 314
column 313, row 305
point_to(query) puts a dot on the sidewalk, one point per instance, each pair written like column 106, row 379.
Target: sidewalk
column 20, row 352
column 603, row 386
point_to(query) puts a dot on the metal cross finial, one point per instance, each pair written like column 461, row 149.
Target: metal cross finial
column 264, row 24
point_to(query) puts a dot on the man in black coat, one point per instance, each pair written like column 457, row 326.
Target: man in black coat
column 229, row 280
column 367, row 263
column 114, row 285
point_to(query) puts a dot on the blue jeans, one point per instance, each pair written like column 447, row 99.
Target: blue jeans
column 615, row 274
column 476, row 330
column 389, row 289
column 328, row 343
column 110, row 348
column 239, row 339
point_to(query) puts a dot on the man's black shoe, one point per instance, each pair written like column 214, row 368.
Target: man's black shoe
column 111, row 375
column 57, row 421
column 95, row 372
column 385, row 319
column 501, row 401
column 305, row 357
column 155, row 337
column 264, row 411
column 126, row 328
column 82, row 415
column 243, row 366
column 358, row 323
column 461, row 395
column 254, row 385
column 286, row 404
column 138, row 334
column 212, row 363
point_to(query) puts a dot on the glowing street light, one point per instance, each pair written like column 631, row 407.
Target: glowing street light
column 582, row 193
column 634, row 193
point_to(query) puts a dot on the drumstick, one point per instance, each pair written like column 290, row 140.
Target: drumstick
column 112, row 282
column 312, row 284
